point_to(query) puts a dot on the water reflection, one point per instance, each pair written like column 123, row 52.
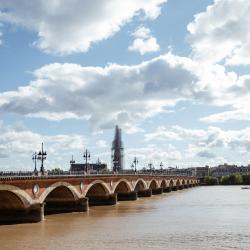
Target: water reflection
column 199, row 218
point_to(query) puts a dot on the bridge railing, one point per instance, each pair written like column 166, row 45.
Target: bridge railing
column 58, row 174
column 16, row 173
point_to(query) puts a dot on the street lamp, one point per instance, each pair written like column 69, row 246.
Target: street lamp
column 72, row 161
column 34, row 158
column 98, row 163
column 135, row 163
column 86, row 156
column 150, row 165
column 42, row 157
column 161, row 166
column 132, row 167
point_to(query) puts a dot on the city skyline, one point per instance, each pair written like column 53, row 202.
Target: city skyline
column 174, row 75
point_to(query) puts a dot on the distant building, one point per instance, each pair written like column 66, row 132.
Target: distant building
column 81, row 167
column 226, row 169
column 201, row 172
column 178, row 171
column 117, row 151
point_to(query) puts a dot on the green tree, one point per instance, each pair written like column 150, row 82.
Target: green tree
column 56, row 171
column 209, row 180
column 224, row 180
column 234, row 179
column 104, row 170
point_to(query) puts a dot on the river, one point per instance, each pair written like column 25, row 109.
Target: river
column 214, row 217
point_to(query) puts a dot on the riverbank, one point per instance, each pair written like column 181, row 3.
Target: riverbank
column 233, row 179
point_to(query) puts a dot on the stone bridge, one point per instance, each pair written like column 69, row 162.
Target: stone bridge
column 27, row 199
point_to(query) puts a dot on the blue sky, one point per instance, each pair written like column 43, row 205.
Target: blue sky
column 174, row 75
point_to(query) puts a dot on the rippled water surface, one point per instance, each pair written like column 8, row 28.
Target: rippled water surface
column 198, row 218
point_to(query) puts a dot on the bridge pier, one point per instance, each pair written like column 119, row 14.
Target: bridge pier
column 144, row 193
column 55, row 207
column 131, row 196
column 157, row 191
column 103, row 200
column 34, row 213
column 167, row 189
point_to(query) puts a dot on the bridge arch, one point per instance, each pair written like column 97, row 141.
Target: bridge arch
column 13, row 197
column 171, row 183
column 140, row 185
column 97, row 188
column 99, row 193
column 60, row 189
column 178, row 183
column 122, row 186
column 153, row 184
column 60, row 197
column 164, row 183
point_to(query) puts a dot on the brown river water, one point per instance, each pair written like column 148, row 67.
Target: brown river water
column 200, row 218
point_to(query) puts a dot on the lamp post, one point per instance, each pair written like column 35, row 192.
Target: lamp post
column 34, row 158
column 71, row 162
column 150, row 165
column 161, row 167
column 42, row 157
column 132, row 167
column 98, row 163
column 135, row 163
column 86, row 156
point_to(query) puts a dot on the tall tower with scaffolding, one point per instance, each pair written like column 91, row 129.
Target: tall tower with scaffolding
column 117, row 151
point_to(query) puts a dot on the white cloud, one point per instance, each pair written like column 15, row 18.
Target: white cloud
column 206, row 154
column 222, row 33
column 193, row 134
column 206, row 143
column 17, row 139
column 144, row 41
column 175, row 133
column 102, row 144
column 153, row 153
column 239, row 114
column 65, row 27
column 240, row 109
column 125, row 95
column 162, row 134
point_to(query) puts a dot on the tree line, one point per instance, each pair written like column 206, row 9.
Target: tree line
column 233, row 179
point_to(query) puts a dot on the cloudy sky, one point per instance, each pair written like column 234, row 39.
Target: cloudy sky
column 173, row 74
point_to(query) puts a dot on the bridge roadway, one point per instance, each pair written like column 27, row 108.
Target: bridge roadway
column 27, row 199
